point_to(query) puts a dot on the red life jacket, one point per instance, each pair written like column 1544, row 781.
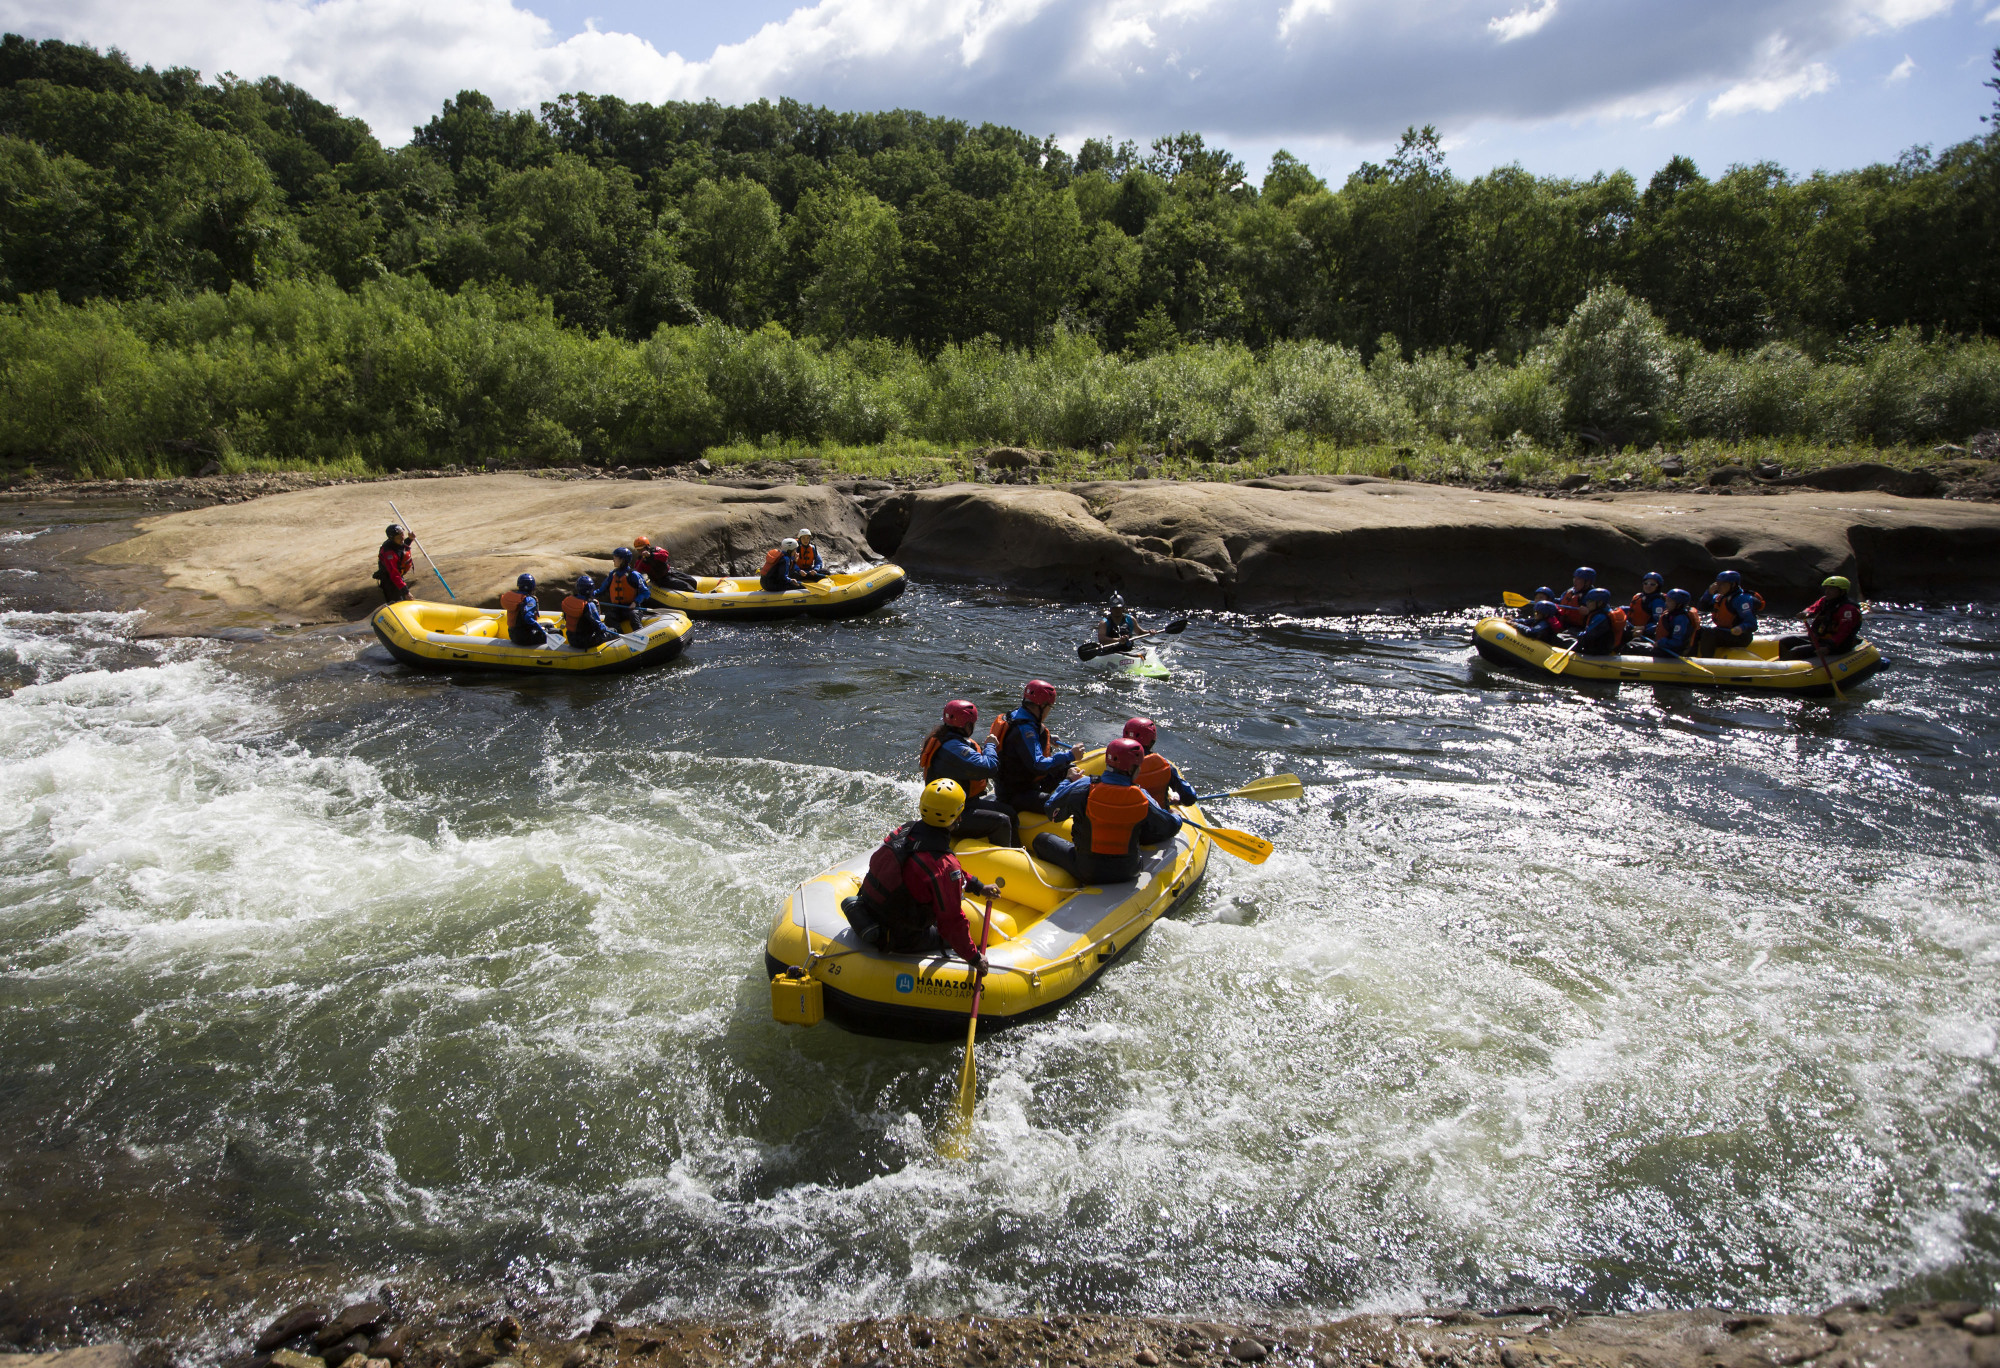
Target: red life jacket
column 621, row 588
column 1573, row 613
column 511, row 600
column 1152, row 777
column 1837, row 626
column 654, row 561
column 887, row 884
column 1726, row 619
column 973, row 787
column 806, row 557
column 1114, row 812
column 573, row 609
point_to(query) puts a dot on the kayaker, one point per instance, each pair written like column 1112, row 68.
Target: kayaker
column 1648, row 606
column 1031, row 766
column 1604, row 629
column 949, row 752
column 1157, row 774
column 1834, row 618
column 583, row 629
column 1117, row 625
column 1675, row 634
column 807, row 557
column 393, row 564
column 1581, row 581
column 1732, row 609
column 781, row 570
column 913, row 895
column 1113, row 817
column 521, row 608
column 656, row 564
column 623, row 590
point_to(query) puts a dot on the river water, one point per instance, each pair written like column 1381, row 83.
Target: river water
column 1616, row 998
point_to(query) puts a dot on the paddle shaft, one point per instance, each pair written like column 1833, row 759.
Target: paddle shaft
column 1095, row 649
column 968, row 1076
column 1242, row 844
column 420, row 546
column 1820, row 651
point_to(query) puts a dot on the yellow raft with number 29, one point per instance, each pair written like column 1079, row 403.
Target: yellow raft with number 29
column 1051, row 938
column 1500, row 642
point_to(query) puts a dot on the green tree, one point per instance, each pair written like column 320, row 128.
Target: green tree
column 727, row 238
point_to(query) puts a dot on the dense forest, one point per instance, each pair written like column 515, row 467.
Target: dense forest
column 236, row 268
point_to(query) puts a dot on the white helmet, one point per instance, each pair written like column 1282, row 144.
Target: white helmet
column 805, row 534
column 789, row 544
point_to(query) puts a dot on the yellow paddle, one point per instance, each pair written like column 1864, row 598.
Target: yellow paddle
column 954, row 1142
column 1559, row 662
column 1241, row 844
column 1514, row 600
column 1272, row 788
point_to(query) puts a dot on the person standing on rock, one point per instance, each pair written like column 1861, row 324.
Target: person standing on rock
column 949, row 752
column 523, row 629
column 656, row 564
column 1733, row 609
column 1112, row 818
column 1834, row 620
column 807, row 558
column 1118, row 625
column 393, row 564
column 781, row 568
column 1030, row 765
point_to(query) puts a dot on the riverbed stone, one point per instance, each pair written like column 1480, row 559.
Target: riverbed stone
column 112, row 1355
column 292, row 1358
column 304, row 1319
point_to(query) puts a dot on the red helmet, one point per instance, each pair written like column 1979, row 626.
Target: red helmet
column 1124, row 755
column 1142, row 730
column 1039, row 691
column 959, row 713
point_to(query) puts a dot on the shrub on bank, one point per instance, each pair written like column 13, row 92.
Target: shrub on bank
column 400, row 373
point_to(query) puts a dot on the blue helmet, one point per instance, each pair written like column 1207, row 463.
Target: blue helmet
column 1680, row 596
column 585, row 586
column 1546, row 607
column 623, row 553
column 1729, row 577
column 1655, row 576
column 1598, row 596
column 1583, row 572
column 1543, row 592
column 525, row 583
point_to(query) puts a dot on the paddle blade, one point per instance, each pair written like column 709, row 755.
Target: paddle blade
column 1087, row 651
column 1176, row 627
column 1561, row 662
column 955, row 1142
column 1514, row 600
column 1274, row 788
column 1243, row 845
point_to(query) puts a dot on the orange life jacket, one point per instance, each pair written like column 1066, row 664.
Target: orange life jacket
column 1636, row 615
column 771, row 559
column 573, row 609
column 511, row 600
column 973, row 787
column 621, row 589
column 1152, row 776
column 1618, row 624
column 1114, row 812
column 1726, row 619
column 806, row 557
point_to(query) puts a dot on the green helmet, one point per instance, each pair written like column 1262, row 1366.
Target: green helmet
column 1839, row 582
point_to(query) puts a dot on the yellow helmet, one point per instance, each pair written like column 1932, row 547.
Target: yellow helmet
column 943, row 800
column 1840, row 582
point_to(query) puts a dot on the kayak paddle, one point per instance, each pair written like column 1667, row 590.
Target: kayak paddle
column 1514, row 600
column 1685, row 661
column 1272, row 788
column 953, row 1143
column 1820, row 651
column 1090, row 650
column 1242, row 844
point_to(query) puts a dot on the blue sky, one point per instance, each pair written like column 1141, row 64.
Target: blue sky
column 1564, row 87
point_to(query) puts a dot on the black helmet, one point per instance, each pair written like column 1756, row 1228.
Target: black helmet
column 525, row 583
column 392, row 529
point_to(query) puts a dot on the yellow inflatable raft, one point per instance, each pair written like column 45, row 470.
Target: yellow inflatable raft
column 738, row 598
column 1051, row 939
column 445, row 636
column 1755, row 668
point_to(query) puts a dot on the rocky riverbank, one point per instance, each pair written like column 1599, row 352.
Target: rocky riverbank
column 1349, row 543
column 374, row 1334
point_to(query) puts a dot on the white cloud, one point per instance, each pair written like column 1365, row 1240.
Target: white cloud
column 1523, row 21
column 1351, row 71
column 1992, row 16
column 1903, row 69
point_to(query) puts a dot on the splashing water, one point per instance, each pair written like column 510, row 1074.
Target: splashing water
column 1617, row 997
